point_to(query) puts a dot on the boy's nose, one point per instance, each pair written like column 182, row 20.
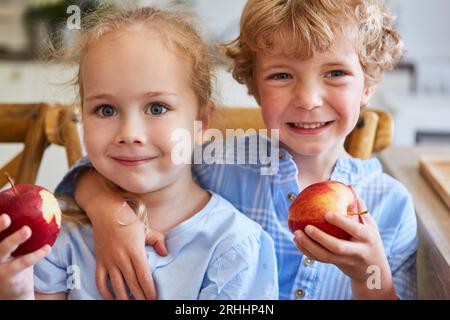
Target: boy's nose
column 131, row 132
column 308, row 96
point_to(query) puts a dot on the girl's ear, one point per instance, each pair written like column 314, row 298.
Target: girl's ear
column 206, row 119
column 367, row 95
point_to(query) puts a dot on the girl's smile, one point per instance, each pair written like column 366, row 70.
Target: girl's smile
column 132, row 161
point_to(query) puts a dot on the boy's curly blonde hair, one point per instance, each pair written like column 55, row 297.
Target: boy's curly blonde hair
column 302, row 27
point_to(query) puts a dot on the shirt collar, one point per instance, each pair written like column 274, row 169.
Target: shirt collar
column 347, row 169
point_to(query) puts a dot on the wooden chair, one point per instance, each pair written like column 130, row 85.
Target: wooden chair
column 372, row 134
column 37, row 126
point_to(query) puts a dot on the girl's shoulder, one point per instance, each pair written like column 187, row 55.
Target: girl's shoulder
column 72, row 230
column 221, row 231
column 234, row 229
column 72, row 237
column 219, row 223
column 218, row 219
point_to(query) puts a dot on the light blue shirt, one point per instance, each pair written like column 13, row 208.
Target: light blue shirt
column 216, row 254
column 266, row 200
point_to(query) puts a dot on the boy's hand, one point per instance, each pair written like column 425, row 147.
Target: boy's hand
column 16, row 274
column 353, row 257
column 121, row 255
column 120, row 239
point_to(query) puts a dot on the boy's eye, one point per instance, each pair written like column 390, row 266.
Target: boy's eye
column 106, row 111
column 156, row 109
column 335, row 73
column 280, row 76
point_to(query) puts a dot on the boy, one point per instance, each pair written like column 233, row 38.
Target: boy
column 312, row 66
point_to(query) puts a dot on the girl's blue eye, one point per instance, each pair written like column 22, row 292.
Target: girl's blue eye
column 156, row 109
column 336, row 73
column 106, row 111
column 280, row 76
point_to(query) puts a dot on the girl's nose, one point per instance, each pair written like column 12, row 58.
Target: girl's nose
column 308, row 95
column 131, row 132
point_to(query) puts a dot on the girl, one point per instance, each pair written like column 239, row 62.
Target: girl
column 143, row 74
column 312, row 66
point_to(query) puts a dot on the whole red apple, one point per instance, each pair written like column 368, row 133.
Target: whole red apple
column 35, row 207
column 316, row 200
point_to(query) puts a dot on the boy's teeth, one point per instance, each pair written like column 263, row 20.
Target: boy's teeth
column 309, row 125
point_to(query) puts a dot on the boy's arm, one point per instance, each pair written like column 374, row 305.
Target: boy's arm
column 402, row 256
column 120, row 239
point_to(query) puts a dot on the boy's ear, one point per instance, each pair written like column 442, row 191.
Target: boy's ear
column 255, row 93
column 368, row 93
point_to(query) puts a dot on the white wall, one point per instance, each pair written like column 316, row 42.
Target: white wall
column 425, row 29
column 424, row 26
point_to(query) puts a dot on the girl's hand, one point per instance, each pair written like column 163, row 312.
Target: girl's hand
column 354, row 257
column 120, row 252
column 16, row 274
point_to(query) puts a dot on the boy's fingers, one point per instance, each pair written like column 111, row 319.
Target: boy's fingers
column 352, row 227
column 5, row 222
column 312, row 247
column 337, row 246
column 12, row 242
column 131, row 280
column 157, row 240
column 30, row 259
column 118, row 285
column 360, row 203
column 361, row 207
column 369, row 220
column 303, row 249
column 101, row 278
column 161, row 248
column 144, row 276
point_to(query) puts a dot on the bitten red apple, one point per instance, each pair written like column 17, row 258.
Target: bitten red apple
column 35, row 207
column 316, row 200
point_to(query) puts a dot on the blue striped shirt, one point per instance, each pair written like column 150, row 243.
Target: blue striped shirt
column 265, row 199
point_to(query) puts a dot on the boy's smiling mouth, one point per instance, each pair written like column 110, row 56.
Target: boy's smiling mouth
column 309, row 127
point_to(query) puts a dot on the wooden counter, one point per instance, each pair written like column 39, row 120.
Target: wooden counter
column 433, row 217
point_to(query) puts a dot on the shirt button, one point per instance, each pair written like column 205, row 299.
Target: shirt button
column 299, row 293
column 308, row 261
column 291, row 197
column 280, row 155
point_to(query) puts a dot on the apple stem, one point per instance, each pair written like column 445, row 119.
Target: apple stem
column 358, row 213
column 11, row 182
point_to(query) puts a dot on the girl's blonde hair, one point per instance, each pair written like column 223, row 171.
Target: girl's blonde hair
column 177, row 32
column 175, row 28
column 302, row 27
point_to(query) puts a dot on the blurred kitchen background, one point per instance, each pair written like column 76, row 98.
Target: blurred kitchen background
column 416, row 93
